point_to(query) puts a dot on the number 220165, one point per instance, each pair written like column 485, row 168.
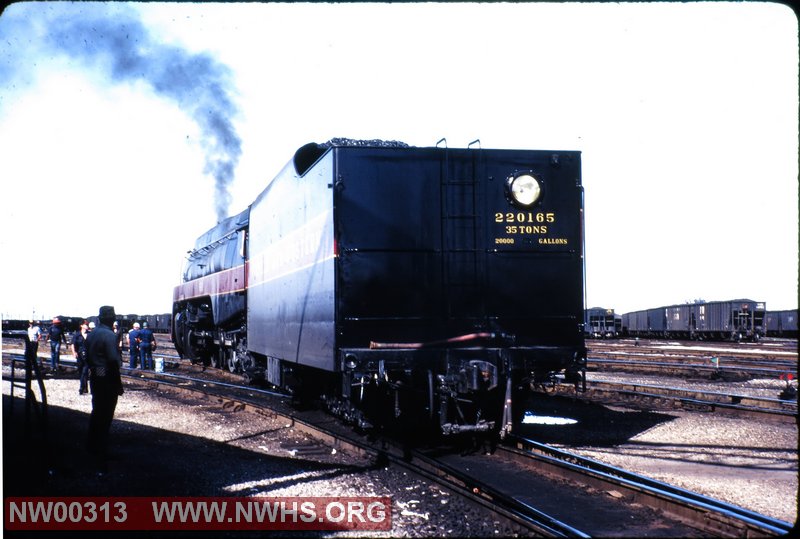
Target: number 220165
column 524, row 217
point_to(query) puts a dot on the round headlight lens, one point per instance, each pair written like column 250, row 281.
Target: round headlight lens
column 525, row 189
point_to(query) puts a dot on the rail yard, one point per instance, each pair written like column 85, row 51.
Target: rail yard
column 303, row 359
column 193, row 430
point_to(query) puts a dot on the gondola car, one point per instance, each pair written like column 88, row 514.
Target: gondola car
column 403, row 286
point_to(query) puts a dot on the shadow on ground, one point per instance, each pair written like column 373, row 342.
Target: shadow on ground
column 595, row 424
column 145, row 461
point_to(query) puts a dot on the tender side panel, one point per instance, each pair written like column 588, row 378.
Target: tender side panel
column 291, row 272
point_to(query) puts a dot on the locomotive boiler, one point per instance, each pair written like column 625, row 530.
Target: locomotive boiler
column 400, row 285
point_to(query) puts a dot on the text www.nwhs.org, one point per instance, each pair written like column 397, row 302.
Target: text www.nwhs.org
column 144, row 513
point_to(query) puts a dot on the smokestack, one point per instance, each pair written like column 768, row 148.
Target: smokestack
column 116, row 42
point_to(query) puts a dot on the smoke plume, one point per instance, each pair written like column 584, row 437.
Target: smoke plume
column 117, row 43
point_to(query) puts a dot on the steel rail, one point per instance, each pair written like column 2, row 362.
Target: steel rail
column 484, row 494
column 689, row 399
column 660, row 366
column 709, row 514
column 678, row 354
column 714, row 397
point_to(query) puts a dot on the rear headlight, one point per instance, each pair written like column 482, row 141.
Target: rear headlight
column 524, row 189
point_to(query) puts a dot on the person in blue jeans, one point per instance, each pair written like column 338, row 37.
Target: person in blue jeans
column 56, row 336
column 147, row 343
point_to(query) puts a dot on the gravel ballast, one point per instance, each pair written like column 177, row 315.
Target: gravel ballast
column 166, row 446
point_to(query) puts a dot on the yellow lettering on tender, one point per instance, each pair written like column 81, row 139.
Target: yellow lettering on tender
column 553, row 241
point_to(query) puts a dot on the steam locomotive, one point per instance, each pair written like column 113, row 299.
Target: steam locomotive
column 399, row 285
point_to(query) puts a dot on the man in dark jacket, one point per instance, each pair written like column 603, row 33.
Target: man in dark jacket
column 133, row 345
column 147, row 343
column 56, row 336
column 79, row 351
column 105, row 383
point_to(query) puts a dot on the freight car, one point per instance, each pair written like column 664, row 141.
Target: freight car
column 10, row 325
column 70, row 324
column 159, row 323
column 406, row 286
column 782, row 323
column 734, row 320
column 600, row 323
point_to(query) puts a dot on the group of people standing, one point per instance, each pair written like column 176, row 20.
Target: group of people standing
column 140, row 340
column 141, row 343
column 55, row 336
column 97, row 349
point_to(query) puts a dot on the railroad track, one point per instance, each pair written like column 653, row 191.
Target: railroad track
column 711, row 371
column 651, row 396
column 707, row 514
column 518, row 518
column 493, row 495
column 702, row 359
column 519, row 512
column 760, row 355
column 717, row 361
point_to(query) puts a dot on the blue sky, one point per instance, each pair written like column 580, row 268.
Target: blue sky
column 686, row 115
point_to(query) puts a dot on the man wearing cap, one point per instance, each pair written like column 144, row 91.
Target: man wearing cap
column 105, row 383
